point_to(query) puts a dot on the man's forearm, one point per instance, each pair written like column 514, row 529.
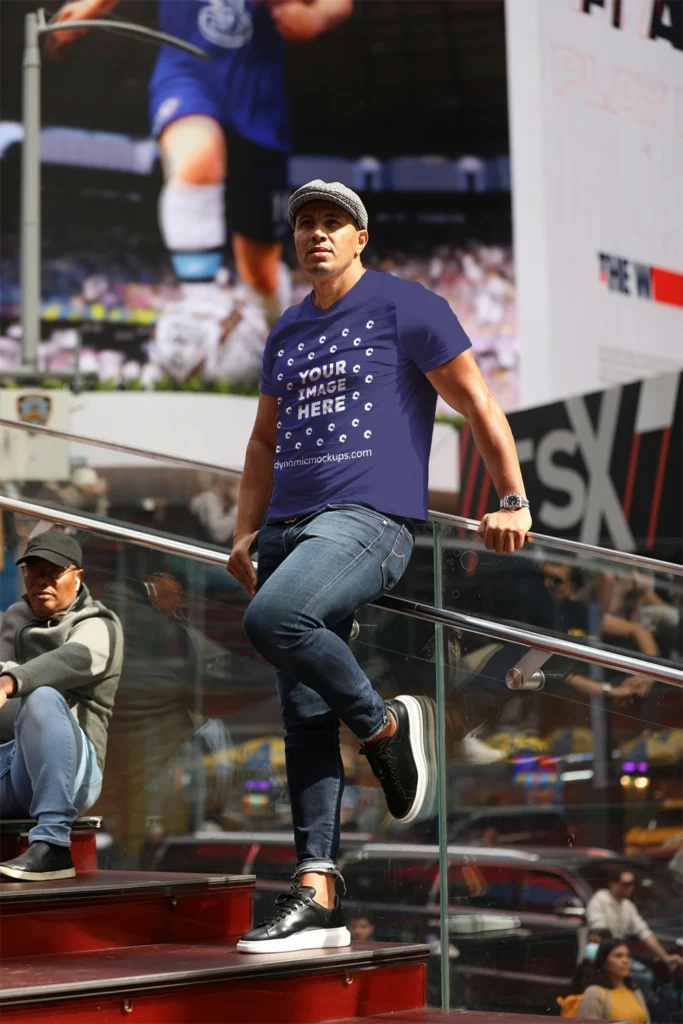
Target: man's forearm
column 584, row 685
column 496, row 445
column 256, row 487
column 655, row 945
column 100, row 7
column 331, row 12
column 645, row 642
column 613, row 625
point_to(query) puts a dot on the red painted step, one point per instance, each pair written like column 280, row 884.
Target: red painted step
column 209, row 984
column 114, row 909
column 430, row 1015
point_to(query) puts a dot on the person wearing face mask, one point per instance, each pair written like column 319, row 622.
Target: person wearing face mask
column 60, row 660
column 585, row 970
column 614, row 995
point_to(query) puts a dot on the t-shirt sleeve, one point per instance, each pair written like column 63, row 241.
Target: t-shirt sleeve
column 430, row 333
column 267, row 384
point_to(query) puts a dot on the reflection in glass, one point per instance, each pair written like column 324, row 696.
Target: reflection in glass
column 546, row 789
column 599, row 601
column 156, row 492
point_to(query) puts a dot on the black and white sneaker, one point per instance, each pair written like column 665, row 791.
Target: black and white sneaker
column 42, row 862
column 298, row 922
column 405, row 763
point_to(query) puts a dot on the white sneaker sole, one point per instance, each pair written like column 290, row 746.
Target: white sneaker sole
column 311, row 938
column 430, row 806
column 36, row 876
column 419, row 709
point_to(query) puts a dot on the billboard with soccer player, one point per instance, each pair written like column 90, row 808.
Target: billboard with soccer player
column 166, row 252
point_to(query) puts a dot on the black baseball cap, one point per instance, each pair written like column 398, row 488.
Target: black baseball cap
column 53, row 546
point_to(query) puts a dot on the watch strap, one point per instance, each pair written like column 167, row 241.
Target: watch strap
column 513, row 502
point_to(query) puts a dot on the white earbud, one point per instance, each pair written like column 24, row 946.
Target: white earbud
column 78, row 584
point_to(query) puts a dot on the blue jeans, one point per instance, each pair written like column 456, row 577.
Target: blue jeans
column 49, row 771
column 312, row 576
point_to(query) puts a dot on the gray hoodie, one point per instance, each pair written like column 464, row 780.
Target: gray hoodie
column 78, row 652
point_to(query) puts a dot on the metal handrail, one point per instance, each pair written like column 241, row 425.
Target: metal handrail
column 116, row 531
column 413, row 609
column 528, row 638
column 114, row 446
column 460, row 522
column 574, row 546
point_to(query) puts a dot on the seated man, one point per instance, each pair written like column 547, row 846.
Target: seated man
column 60, row 661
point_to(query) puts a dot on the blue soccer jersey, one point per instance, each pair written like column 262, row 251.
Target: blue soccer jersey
column 242, row 87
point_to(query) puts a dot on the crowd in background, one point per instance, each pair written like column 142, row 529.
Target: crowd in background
column 123, row 290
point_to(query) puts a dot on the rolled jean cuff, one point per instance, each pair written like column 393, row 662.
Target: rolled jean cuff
column 324, row 867
column 39, row 835
column 375, row 732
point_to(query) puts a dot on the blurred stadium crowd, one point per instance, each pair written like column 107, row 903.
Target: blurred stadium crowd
column 115, row 291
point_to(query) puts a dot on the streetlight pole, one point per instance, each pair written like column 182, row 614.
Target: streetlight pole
column 30, row 196
column 36, row 26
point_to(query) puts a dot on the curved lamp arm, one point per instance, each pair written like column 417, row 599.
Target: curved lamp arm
column 127, row 28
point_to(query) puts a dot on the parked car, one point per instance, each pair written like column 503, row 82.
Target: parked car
column 269, row 855
column 513, row 826
column 660, row 832
column 514, row 915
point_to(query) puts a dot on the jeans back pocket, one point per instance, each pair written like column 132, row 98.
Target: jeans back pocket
column 394, row 565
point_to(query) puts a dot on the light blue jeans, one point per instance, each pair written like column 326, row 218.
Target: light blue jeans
column 49, row 771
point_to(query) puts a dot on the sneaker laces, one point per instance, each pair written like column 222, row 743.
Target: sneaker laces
column 289, row 901
column 383, row 765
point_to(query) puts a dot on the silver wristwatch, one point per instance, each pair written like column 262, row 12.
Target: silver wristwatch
column 513, row 502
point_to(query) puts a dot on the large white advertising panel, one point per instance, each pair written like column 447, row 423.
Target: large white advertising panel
column 596, row 114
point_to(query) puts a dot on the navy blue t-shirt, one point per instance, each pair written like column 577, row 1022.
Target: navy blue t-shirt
column 356, row 412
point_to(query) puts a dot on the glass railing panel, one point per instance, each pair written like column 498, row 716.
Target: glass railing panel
column 567, row 593
column 544, row 788
column 173, row 497
column 548, row 790
column 195, row 771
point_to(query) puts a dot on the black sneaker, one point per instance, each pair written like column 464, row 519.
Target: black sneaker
column 40, row 863
column 405, row 763
column 298, row 922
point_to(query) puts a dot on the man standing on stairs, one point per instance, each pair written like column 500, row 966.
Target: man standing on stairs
column 60, row 660
column 338, row 460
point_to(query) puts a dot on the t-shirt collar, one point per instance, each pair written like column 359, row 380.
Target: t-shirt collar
column 351, row 296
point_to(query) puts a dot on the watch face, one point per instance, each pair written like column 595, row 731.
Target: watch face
column 513, row 501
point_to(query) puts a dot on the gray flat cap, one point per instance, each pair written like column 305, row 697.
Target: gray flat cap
column 331, row 192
